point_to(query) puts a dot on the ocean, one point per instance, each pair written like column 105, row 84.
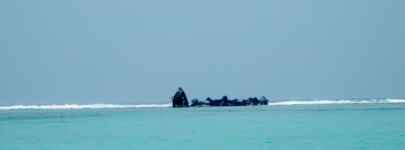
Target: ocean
column 283, row 125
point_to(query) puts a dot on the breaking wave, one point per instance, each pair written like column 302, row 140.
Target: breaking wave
column 77, row 106
column 325, row 102
column 271, row 103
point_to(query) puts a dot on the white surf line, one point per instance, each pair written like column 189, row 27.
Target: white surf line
column 77, row 106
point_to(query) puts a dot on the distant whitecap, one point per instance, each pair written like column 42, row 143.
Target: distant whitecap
column 77, row 106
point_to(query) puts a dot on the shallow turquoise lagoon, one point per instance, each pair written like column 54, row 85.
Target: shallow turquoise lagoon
column 312, row 127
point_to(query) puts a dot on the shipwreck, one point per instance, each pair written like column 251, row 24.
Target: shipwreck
column 180, row 100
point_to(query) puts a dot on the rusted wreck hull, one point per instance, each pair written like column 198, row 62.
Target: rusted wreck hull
column 180, row 100
column 225, row 102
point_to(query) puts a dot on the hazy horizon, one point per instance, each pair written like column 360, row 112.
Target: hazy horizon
column 87, row 51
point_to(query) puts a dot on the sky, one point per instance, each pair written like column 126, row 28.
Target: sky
column 140, row 51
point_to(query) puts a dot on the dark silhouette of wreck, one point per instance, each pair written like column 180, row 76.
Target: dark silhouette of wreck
column 180, row 100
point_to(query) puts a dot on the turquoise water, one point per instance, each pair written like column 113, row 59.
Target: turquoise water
column 308, row 127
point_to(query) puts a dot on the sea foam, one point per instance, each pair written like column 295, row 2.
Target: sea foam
column 324, row 102
column 77, row 106
column 271, row 103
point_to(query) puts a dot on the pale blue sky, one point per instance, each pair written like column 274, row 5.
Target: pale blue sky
column 137, row 51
